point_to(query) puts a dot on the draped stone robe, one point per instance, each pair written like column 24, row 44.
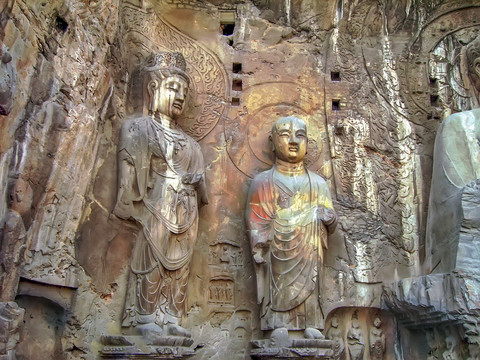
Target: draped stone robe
column 283, row 220
column 161, row 171
column 456, row 168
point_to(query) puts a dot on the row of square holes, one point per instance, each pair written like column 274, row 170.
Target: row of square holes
column 334, row 76
column 237, row 84
column 227, row 29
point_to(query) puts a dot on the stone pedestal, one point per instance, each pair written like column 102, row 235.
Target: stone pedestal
column 136, row 347
column 297, row 349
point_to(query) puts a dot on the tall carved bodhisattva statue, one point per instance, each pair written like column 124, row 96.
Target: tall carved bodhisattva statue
column 377, row 340
column 161, row 186
column 289, row 213
column 454, row 208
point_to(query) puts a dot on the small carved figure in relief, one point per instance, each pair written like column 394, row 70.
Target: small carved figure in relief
column 213, row 291
column 377, row 340
column 454, row 190
column 356, row 345
column 161, row 187
column 226, row 257
column 335, row 334
column 13, row 237
column 289, row 212
column 450, row 353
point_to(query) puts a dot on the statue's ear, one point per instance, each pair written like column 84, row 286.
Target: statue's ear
column 272, row 145
column 152, row 88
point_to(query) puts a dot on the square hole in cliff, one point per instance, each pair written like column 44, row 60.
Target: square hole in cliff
column 227, row 22
column 335, row 75
column 237, row 85
column 335, row 104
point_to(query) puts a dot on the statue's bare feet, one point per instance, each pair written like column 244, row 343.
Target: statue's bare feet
column 150, row 332
column 312, row 333
column 176, row 330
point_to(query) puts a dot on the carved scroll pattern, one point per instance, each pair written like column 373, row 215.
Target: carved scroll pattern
column 372, row 146
column 209, row 79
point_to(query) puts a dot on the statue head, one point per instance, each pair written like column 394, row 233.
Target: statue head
column 450, row 342
column 289, row 139
column 473, row 62
column 334, row 322
column 20, row 195
column 167, row 83
column 377, row 322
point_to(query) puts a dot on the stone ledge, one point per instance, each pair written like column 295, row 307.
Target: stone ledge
column 135, row 347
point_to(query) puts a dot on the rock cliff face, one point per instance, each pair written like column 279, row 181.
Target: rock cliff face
column 373, row 80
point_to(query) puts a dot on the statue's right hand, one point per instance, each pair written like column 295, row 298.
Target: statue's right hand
column 258, row 258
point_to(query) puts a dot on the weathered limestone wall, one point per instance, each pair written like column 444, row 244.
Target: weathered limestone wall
column 373, row 80
column 51, row 137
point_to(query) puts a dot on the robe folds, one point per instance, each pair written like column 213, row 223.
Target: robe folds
column 456, row 167
column 284, row 220
column 161, row 185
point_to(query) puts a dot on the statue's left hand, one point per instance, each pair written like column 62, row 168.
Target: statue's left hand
column 326, row 215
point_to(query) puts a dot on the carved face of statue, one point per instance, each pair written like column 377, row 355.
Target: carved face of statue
column 20, row 196
column 377, row 322
column 289, row 138
column 169, row 97
column 334, row 322
column 450, row 342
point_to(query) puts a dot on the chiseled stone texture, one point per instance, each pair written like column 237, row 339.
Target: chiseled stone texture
column 373, row 81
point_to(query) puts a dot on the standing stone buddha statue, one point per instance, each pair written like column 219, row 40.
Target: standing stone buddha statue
column 453, row 225
column 289, row 213
column 161, row 186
